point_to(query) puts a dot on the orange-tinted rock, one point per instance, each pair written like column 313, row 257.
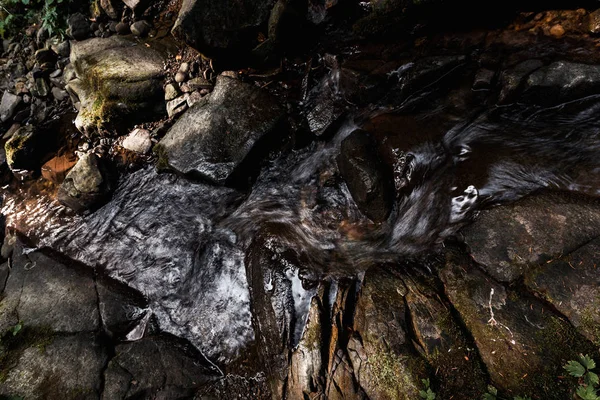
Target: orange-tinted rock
column 557, row 31
column 56, row 169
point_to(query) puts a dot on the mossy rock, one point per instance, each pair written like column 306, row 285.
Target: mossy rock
column 119, row 82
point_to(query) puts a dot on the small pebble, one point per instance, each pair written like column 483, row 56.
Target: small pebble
column 180, row 77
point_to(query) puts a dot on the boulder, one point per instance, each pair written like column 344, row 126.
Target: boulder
column 224, row 29
column 110, row 8
column 369, row 181
column 215, row 136
column 117, row 82
column 562, row 81
column 8, row 105
column 86, row 185
column 512, row 80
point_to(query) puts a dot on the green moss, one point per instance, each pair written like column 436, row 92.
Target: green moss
column 162, row 162
column 590, row 325
column 13, row 145
column 392, row 373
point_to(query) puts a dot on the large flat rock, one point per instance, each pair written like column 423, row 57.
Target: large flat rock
column 214, row 137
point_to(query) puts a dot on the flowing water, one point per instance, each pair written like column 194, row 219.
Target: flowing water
column 183, row 244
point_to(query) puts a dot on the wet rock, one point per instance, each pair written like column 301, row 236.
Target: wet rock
column 46, row 294
column 369, row 181
column 118, row 83
column 426, row 71
column 380, row 349
column 221, row 29
column 508, row 241
column 140, row 28
column 124, row 311
column 594, row 22
column 8, row 105
column 171, row 92
column 306, row 361
column 562, row 81
column 139, row 141
column 79, row 27
column 55, row 367
column 57, row 168
column 324, row 106
column 214, row 137
column 177, row 372
column 519, row 339
column 277, row 296
column 512, row 79
column 86, row 185
column 41, row 88
column 196, row 287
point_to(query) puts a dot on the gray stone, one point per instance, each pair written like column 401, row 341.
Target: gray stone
column 57, row 367
column 49, row 295
column 562, row 81
column 79, row 26
column 176, row 373
column 171, row 92
column 9, row 105
column 193, row 98
column 507, row 241
column 215, row 136
column 139, row 141
column 59, row 94
column 85, row 185
column 177, row 106
column 140, row 28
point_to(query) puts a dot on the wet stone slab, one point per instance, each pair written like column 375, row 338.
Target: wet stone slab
column 159, row 236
